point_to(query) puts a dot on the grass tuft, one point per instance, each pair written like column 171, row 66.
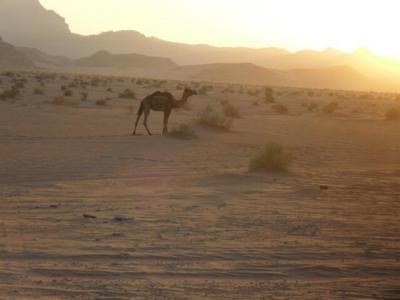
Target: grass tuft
column 393, row 114
column 183, row 131
column 214, row 119
column 272, row 157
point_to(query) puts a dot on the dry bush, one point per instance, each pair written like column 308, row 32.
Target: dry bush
column 68, row 93
column 159, row 83
column 205, row 89
column 183, row 131
column 127, row 94
column 228, row 90
column 214, row 119
column 62, row 101
column 272, row 157
column 101, row 102
column 269, row 95
column 330, row 108
column 393, row 114
column 38, row 91
column 11, row 93
column 281, row 109
column 8, row 74
column 312, row 106
column 19, row 83
column 230, row 110
column 84, row 96
column 252, row 92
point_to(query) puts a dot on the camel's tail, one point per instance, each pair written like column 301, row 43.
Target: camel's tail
column 141, row 109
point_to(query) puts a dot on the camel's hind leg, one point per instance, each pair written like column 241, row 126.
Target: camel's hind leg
column 139, row 115
column 146, row 116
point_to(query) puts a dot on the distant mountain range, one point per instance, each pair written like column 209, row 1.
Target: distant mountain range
column 10, row 57
column 104, row 59
column 29, row 26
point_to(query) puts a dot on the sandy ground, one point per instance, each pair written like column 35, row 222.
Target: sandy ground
column 89, row 212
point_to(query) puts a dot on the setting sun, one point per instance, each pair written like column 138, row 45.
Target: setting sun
column 295, row 25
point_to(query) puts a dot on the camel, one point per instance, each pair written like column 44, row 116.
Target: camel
column 161, row 101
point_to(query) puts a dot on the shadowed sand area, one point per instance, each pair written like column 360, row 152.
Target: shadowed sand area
column 88, row 212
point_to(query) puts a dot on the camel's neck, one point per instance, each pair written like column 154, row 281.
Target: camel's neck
column 182, row 101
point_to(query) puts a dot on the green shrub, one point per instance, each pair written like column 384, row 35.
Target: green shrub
column 393, row 114
column 183, row 131
column 214, row 119
column 272, row 157
column 330, row 108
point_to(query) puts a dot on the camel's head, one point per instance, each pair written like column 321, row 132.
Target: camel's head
column 189, row 92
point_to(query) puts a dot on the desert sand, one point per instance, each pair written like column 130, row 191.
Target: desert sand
column 90, row 212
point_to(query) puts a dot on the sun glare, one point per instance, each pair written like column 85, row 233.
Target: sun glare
column 295, row 25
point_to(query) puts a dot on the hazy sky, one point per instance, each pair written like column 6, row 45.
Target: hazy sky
column 292, row 24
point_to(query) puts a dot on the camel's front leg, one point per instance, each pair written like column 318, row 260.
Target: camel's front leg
column 166, row 118
column 137, row 122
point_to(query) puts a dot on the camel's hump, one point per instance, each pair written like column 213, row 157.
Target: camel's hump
column 161, row 94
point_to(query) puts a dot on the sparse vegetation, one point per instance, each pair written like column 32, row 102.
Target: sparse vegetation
column 62, row 101
column 38, row 91
column 269, row 95
column 393, row 114
column 273, row 157
column 230, row 110
column 101, row 102
column 214, row 119
column 204, row 90
column 183, row 131
column 330, row 108
column 84, row 96
column 68, row 93
column 312, row 106
column 281, row 109
column 11, row 93
column 127, row 94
